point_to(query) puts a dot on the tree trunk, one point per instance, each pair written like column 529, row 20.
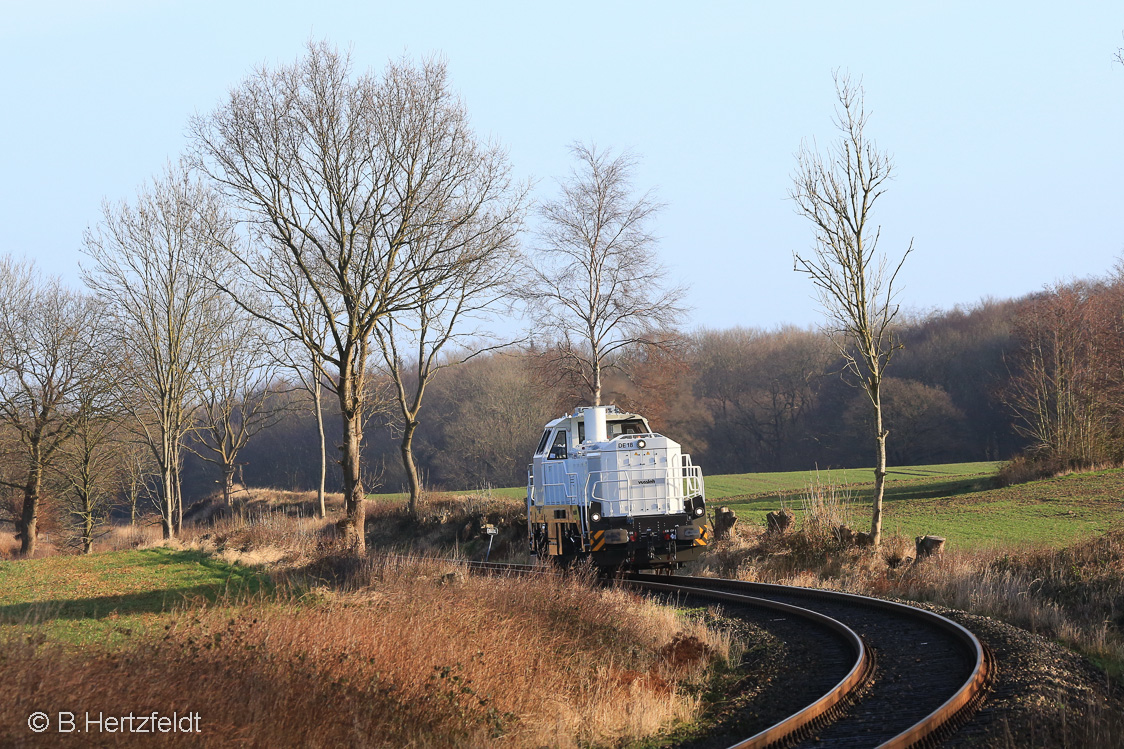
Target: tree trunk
column 879, row 468
column 87, row 526
column 596, row 383
column 178, row 497
column 28, row 529
column 354, row 525
column 407, row 448
column 322, row 510
column 167, row 502
column 167, row 489
column 227, row 482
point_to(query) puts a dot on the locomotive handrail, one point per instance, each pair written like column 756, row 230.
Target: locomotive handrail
column 687, row 479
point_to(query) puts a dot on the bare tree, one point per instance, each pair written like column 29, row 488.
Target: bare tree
column 305, row 363
column 596, row 287
column 414, row 343
column 89, row 470
column 496, row 409
column 837, row 192
column 51, row 364
column 151, row 262
column 236, row 393
column 344, row 181
column 134, row 482
column 1061, row 363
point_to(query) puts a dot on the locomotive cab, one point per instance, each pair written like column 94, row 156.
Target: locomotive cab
column 603, row 485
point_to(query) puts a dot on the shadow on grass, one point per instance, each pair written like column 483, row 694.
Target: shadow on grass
column 934, row 489
column 897, row 491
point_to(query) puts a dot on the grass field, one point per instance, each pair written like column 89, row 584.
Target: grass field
column 106, row 597
column 407, row 653
column 958, row 501
column 754, row 484
column 961, row 503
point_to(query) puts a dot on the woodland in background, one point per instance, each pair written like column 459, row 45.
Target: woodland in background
column 1041, row 376
column 739, row 400
column 231, row 338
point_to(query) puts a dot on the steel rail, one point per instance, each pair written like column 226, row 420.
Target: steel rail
column 859, row 675
column 951, row 712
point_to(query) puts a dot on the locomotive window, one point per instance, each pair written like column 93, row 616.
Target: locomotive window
column 542, row 442
column 558, row 449
column 630, row 426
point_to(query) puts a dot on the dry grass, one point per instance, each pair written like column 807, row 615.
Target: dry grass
column 8, row 545
column 386, row 651
column 412, row 654
column 826, row 506
column 122, row 537
column 1024, row 468
column 452, row 523
column 1074, row 595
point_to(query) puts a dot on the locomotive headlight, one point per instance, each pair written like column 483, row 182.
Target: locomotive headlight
column 698, row 511
column 641, row 444
column 595, row 517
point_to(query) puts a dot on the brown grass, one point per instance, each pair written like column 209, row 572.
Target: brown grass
column 1024, row 468
column 122, row 537
column 413, row 654
column 1074, row 594
column 8, row 545
column 826, row 506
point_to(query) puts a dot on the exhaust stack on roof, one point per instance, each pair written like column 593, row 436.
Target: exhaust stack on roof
column 595, row 429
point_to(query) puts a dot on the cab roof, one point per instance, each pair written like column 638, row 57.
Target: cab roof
column 612, row 413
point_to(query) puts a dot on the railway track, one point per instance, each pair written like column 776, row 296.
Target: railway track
column 931, row 674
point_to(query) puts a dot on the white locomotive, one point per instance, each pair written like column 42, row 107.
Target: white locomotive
column 603, row 485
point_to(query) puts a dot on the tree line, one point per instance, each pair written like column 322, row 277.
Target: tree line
column 316, row 281
column 328, row 235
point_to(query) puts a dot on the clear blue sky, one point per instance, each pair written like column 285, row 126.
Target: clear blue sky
column 1006, row 120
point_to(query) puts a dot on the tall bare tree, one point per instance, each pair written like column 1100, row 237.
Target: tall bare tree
column 1060, row 364
column 89, row 473
column 837, row 192
column 237, row 398
column 596, row 286
column 343, row 181
column 51, row 365
column 308, row 368
column 134, row 480
column 151, row 262
column 415, row 343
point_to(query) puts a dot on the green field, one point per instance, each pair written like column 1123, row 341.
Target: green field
column 754, row 484
column 958, row 501
column 105, row 597
column 742, row 484
column 962, row 504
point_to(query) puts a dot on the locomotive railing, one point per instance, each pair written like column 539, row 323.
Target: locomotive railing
column 686, row 478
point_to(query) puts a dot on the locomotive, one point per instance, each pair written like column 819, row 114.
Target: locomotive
column 603, row 486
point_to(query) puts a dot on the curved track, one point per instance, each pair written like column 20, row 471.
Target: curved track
column 932, row 674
